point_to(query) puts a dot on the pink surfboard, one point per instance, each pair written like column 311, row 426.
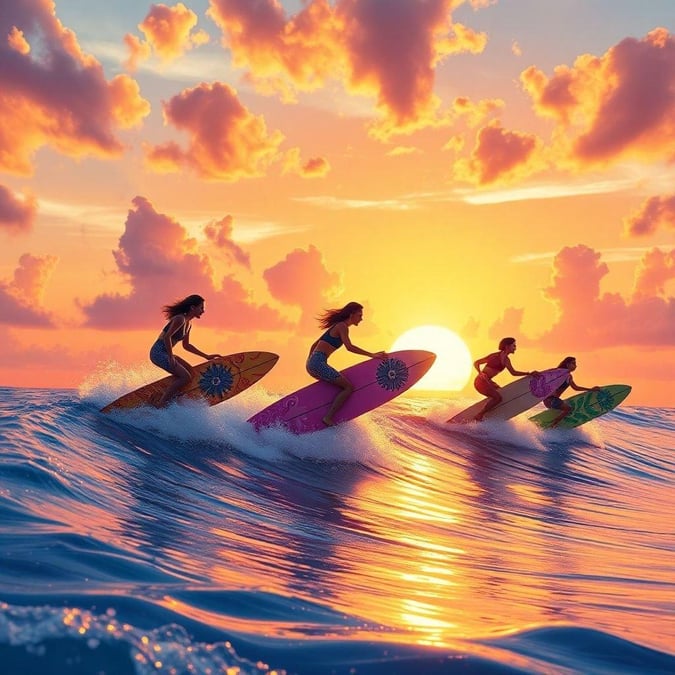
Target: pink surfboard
column 375, row 382
column 517, row 396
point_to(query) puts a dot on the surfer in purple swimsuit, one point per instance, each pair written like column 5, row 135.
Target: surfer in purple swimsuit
column 494, row 364
column 554, row 401
column 337, row 323
column 180, row 315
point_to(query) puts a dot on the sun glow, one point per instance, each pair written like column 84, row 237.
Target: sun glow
column 452, row 367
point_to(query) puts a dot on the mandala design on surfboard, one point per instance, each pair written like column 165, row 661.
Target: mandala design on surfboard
column 392, row 374
column 216, row 380
column 605, row 400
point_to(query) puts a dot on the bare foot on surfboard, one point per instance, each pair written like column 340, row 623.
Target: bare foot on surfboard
column 328, row 422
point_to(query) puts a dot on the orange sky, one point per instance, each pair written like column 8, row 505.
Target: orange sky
column 492, row 169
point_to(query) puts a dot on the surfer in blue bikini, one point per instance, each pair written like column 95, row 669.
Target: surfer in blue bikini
column 337, row 323
column 554, row 401
column 494, row 364
column 180, row 315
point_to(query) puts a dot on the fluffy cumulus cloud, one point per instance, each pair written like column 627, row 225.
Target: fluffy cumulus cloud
column 655, row 212
column 227, row 142
column 314, row 167
column 607, row 109
column 470, row 328
column 21, row 297
column 620, row 105
column 280, row 54
column 139, row 51
column 162, row 264
column 302, row 279
column 473, row 113
column 499, row 156
column 17, row 355
column 219, row 233
column 393, row 48
column 387, row 49
column 508, row 325
column 169, row 33
column 16, row 214
column 52, row 93
column 655, row 271
column 587, row 317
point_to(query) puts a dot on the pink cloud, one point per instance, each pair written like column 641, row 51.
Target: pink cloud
column 476, row 113
column 19, row 355
column 577, row 272
column 654, row 212
column 508, row 325
column 26, row 363
column 655, row 270
column 553, row 97
column 301, row 279
column 592, row 320
column 354, row 42
column 21, row 297
column 32, row 275
column 220, row 234
column 401, row 72
column 161, row 264
column 499, row 155
column 620, row 105
column 168, row 31
column 315, row 167
column 138, row 51
column 280, row 54
column 226, row 143
column 55, row 94
column 17, row 41
column 16, row 215
column 470, row 328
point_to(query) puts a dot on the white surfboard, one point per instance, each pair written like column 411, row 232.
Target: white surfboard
column 517, row 396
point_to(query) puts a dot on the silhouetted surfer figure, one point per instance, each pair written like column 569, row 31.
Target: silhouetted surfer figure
column 180, row 315
column 337, row 323
column 554, row 401
column 494, row 364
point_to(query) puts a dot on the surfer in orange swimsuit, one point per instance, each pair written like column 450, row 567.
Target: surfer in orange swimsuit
column 494, row 364
column 180, row 315
column 554, row 401
column 337, row 323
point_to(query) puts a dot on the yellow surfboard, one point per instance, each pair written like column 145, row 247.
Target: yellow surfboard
column 213, row 381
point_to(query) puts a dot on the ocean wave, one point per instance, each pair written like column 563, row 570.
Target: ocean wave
column 180, row 540
column 53, row 639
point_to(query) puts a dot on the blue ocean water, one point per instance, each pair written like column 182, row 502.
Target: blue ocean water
column 180, row 541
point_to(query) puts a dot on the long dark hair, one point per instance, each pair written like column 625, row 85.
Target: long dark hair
column 181, row 306
column 566, row 361
column 332, row 316
column 505, row 342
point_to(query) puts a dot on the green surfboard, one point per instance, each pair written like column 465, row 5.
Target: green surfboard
column 585, row 406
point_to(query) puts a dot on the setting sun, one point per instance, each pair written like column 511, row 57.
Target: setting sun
column 452, row 367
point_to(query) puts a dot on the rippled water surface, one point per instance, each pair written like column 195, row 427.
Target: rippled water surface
column 181, row 540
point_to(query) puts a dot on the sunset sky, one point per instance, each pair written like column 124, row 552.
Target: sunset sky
column 495, row 167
